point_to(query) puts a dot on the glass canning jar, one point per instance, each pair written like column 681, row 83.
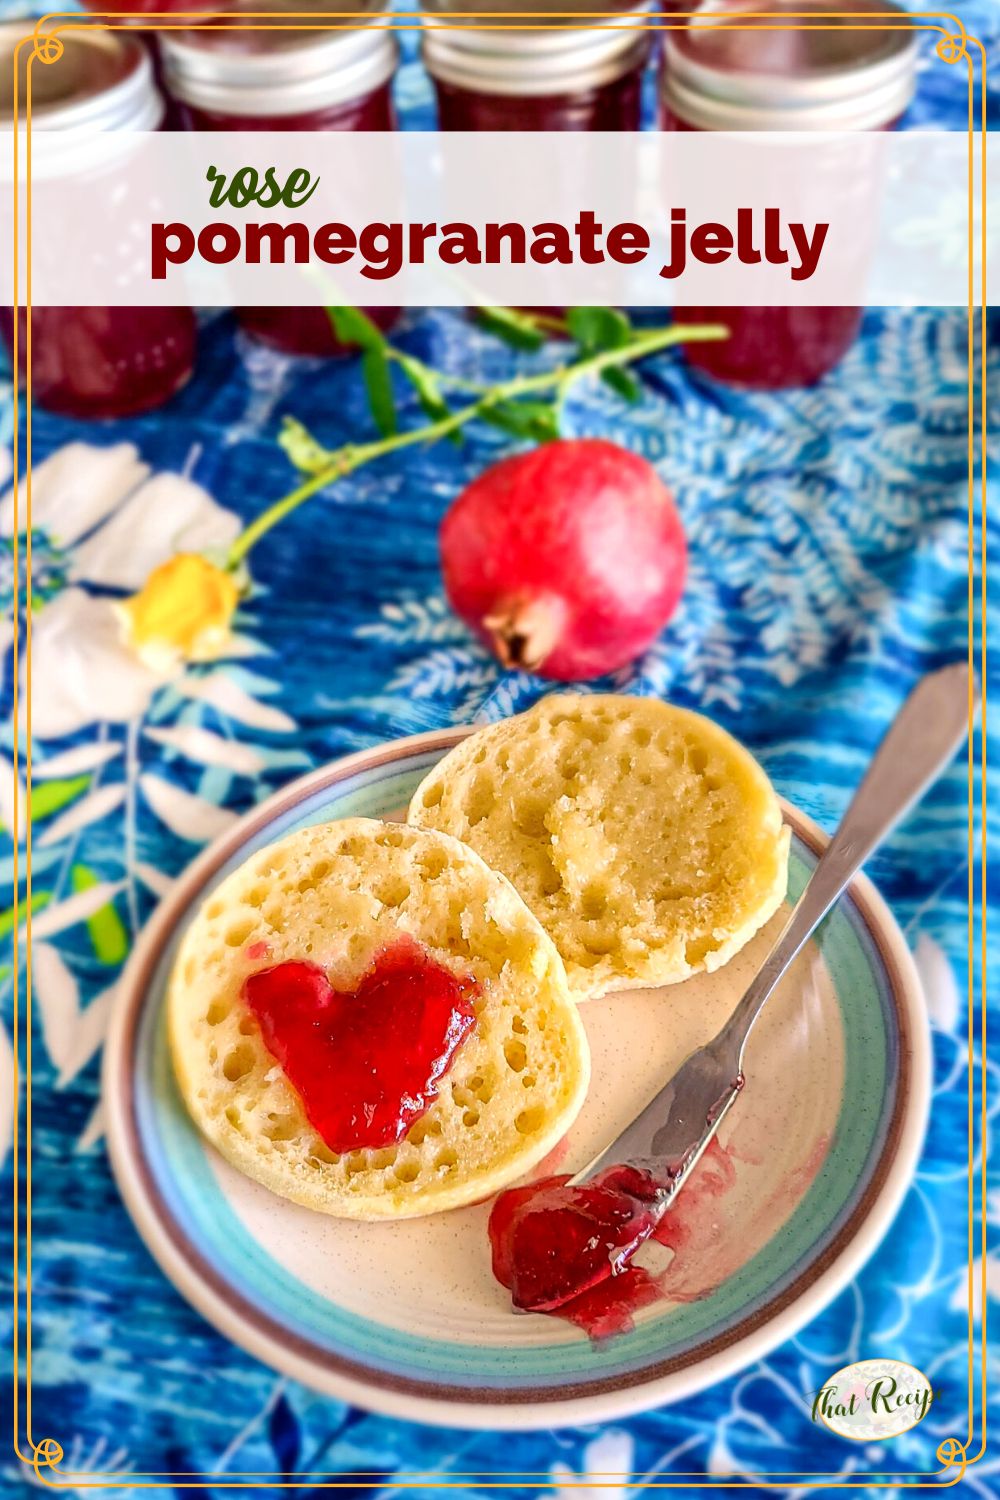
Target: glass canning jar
column 833, row 73
column 238, row 78
column 574, row 75
column 95, row 361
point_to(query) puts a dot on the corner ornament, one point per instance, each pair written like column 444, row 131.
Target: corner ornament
column 45, row 1455
column 953, row 1454
column 953, row 46
column 48, row 47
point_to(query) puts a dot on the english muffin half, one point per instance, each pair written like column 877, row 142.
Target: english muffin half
column 334, row 900
column 646, row 840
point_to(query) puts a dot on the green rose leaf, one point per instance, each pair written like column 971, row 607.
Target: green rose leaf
column 596, row 329
column 514, row 328
column 352, row 326
column 536, row 420
column 378, row 384
column 623, row 383
column 425, row 383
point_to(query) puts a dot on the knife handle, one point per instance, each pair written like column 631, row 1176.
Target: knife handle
column 922, row 739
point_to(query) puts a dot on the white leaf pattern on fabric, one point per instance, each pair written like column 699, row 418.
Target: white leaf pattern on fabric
column 959, row 1300
column 242, row 647
column 71, row 1033
column 445, row 671
column 185, row 814
column 74, row 490
column 73, row 762
column 610, row 1454
column 123, row 525
column 944, row 1003
column 8, row 1103
column 430, row 619
column 721, row 1459
column 93, row 1131
column 77, row 908
column 230, row 699
column 154, row 879
column 167, row 514
column 13, row 800
column 209, row 749
column 83, row 812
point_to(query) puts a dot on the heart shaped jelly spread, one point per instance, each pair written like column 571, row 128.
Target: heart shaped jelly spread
column 365, row 1062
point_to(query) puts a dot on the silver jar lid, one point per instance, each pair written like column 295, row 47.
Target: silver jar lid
column 102, row 80
column 835, row 71
column 570, row 51
column 238, row 71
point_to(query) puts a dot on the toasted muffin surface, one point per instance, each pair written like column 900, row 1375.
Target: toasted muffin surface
column 338, row 895
column 648, row 842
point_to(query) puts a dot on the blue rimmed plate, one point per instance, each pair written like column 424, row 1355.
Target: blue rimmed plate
column 406, row 1318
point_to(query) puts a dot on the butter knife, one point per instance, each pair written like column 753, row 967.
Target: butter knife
column 669, row 1136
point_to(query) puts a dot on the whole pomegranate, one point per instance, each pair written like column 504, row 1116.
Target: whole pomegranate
column 567, row 560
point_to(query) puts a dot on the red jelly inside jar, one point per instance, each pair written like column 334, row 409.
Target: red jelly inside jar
column 828, row 73
column 305, row 330
column 615, row 106
column 104, row 361
column 366, row 1063
column 241, row 78
column 571, row 76
column 94, row 362
column 131, row 8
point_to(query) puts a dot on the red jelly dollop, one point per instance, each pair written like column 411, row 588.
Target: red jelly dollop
column 365, row 1062
column 553, row 1242
column 567, row 1251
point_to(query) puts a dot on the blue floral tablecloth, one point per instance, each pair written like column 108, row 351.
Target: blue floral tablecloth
column 828, row 534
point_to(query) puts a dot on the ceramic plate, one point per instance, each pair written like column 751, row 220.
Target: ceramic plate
column 406, row 1318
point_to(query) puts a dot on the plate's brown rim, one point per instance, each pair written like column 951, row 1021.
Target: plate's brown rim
column 272, row 1331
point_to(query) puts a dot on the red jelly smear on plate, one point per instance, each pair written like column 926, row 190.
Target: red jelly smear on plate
column 365, row 1062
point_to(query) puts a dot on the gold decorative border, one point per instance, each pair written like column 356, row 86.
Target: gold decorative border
column 952, row 1453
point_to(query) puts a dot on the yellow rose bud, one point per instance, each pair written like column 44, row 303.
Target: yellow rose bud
column 182, row 612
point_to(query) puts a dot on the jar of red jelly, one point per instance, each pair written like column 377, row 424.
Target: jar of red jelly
column 239, row 77
column 573, row 74
column 831, row 70
column 95, row 361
